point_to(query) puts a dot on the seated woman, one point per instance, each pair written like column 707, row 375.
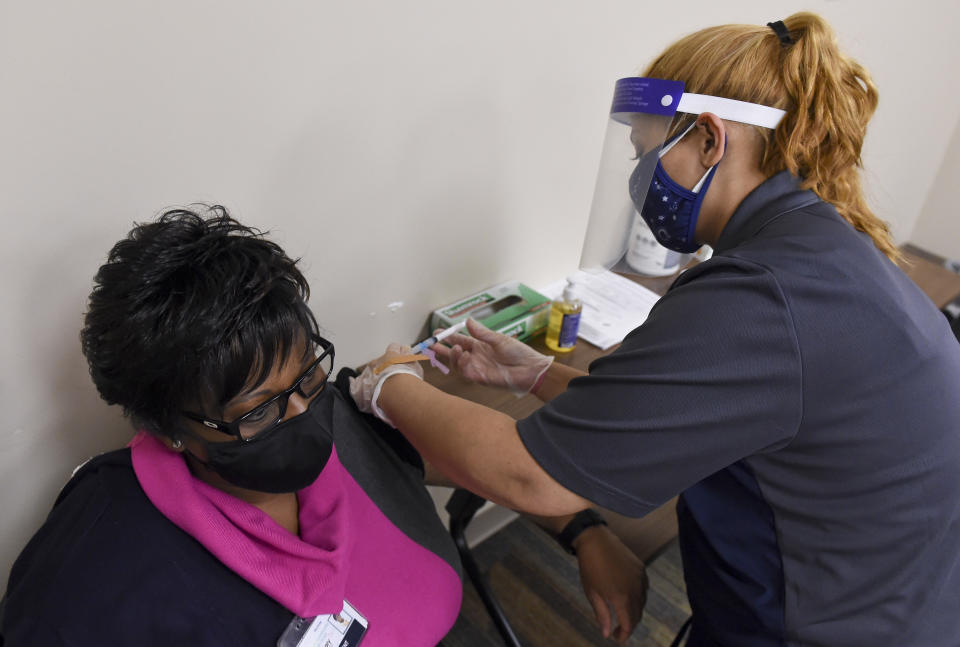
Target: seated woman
column 254, row 490
column 254, row 496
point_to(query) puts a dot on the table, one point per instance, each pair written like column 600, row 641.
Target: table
column 927, row 271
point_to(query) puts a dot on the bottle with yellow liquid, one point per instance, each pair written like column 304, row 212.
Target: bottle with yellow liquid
column 564, row 320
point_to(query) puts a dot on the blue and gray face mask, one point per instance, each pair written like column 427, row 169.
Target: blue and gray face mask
column 670, row 210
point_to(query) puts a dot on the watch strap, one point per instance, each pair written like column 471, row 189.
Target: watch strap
column 580, row 522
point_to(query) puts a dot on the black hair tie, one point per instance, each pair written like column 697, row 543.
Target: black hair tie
column 781, row 31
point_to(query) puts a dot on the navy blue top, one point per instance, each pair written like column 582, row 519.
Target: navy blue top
column 801, row 393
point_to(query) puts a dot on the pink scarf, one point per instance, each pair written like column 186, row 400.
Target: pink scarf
column 347, row 549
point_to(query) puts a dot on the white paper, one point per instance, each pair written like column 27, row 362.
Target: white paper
column 612, row 305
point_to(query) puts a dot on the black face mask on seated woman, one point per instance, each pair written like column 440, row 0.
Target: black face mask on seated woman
column 273, row 456
column 287, row 458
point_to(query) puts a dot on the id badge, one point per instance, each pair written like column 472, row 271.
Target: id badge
column 344, row 629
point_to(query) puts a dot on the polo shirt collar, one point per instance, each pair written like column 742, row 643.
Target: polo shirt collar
column 775, row 196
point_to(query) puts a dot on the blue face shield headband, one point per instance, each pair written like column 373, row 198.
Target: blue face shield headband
column 643, row 112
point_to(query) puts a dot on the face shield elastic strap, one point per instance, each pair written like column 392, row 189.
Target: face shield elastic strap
column 753, row 114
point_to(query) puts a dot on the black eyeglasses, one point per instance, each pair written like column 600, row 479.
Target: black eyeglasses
column 269, row 414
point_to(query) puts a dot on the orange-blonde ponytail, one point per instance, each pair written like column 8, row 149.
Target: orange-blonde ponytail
column 828, row 98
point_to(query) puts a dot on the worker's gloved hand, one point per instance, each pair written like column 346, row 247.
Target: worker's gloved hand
column 365, row 388
column 613, row 578
column 491, row 358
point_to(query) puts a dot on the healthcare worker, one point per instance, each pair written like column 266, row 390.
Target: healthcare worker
column 797, row 389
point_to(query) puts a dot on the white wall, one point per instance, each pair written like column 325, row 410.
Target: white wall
column 938, row 226
column 408, row 152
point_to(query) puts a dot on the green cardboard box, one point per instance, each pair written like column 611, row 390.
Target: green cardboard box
column 510, row 308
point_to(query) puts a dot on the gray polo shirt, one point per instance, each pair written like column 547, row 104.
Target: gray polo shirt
column 802, row 394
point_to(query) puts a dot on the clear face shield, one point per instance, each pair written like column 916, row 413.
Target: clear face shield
column 636, row 205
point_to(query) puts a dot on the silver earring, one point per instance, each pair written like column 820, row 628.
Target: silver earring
column 177, row 443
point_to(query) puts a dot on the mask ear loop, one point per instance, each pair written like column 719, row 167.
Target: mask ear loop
column 696, row 189
column 699, row 185
column 673, row 142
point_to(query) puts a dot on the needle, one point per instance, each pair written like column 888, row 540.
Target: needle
column 430, row 341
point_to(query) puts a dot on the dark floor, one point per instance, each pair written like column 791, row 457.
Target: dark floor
column 538, row 586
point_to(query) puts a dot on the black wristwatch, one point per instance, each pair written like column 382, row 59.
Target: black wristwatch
column 583, row 520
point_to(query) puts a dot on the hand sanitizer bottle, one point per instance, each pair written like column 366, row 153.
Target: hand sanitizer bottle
column 564, row 320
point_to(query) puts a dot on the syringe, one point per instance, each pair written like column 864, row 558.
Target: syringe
column 439, row 337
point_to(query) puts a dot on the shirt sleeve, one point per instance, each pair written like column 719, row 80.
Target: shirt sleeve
column 712, row 376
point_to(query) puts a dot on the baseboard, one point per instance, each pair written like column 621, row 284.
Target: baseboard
column 488, row 520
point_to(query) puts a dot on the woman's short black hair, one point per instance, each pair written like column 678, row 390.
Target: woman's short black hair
column 187, row 311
